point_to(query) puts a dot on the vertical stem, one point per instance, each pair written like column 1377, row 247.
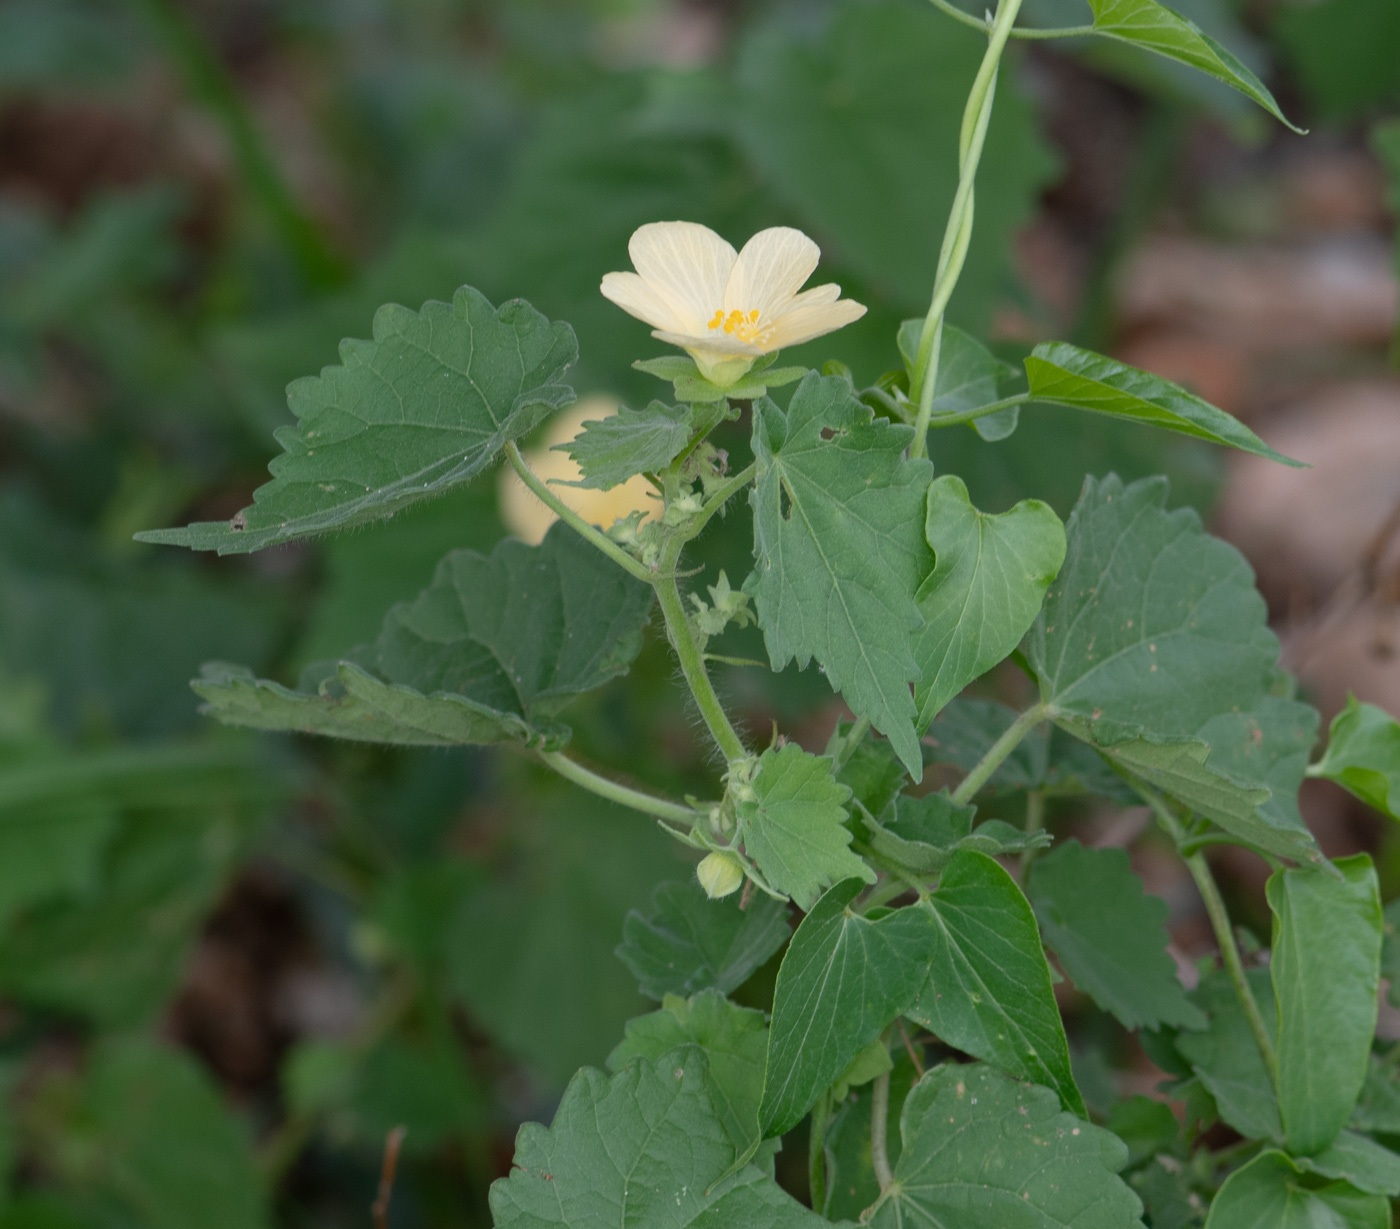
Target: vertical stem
column 208, row 80
column 816, row 1153
column 1035, row 821
column 691, row 661
column 999, row 750
column 1234, row 965
column 879, row 1131
column 958, row 233
column 854, row 737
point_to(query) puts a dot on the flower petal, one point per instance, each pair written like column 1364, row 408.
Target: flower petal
column 639, row 298
column 687, row 265
column 770, row 271
column 713, row 343
column 813, row 319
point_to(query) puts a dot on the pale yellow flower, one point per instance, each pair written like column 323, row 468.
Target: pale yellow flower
column 526, row 515
column 726, row 308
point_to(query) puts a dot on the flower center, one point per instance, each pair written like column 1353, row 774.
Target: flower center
column 741, row 325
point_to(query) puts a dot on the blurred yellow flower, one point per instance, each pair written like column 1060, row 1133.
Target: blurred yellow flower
column 726, row 308
column 527, row 517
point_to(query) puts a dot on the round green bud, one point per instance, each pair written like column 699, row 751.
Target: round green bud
column 720, row 874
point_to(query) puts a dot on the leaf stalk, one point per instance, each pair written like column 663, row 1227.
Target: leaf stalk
column 996, row 754
column 614, row 791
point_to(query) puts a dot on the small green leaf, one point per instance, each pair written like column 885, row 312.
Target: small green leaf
column 630, row 442
column 489, row 652
column 969, row 377
column 1067, row 375
column 922, row 834
column 1362, row 1162
column 840, row 550
column 645, row 1147
column 1153, row 26
column 795, row 827
column 1226, row 1059
column 1326, row 950
column 1110, row 935
column 985, row 590
column 843, row 980
column 989, row 992
column 733, row 1039
column 426, row 405
column 1271, row 1193
column 1363, row 756
column 688, row 942
column 985, row 1152
column 872, row 771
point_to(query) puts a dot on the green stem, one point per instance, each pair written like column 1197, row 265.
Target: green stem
column 854, row 737
column 1021, row 32
column 209, row 81
column 958, row 233
column 692, row 661
column 997, row 753
column 995, row 407
column 1035, row 821
column 1220, row 923
column 816, row 1152
column 566, row 514
column 613, row 791
column 721, row 496
column 879, row 1130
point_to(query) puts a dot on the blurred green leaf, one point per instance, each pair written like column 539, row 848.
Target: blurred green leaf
column 1346, row 53
column 1326, row 949
column 969, row 377
column 1110, row 935
column 686, row 942
column 1363, row 756
column 1360, row 1161
column 426, row 405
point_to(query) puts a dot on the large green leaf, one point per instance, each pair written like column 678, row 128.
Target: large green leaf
column 794, row 826
column 687, row 942
column 428, row 404
column 1110, row 935
column 829, row 112
column 982, row 1151
column 1326, row 950
column 152, row 1131
column 1363, row 755
column 733, row 1039
column 989, row 992
column 985, row 590
column 1271, row 1192
column 840, row 550
column 1153, row 26
column 630, row 442
column 843, row 980
column 489, row 652
column 1067, row 375
column 1226, row 1059
column 645, row 1147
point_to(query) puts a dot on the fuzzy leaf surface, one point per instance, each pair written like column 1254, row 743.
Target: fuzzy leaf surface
column 1155, row 27
column 843, row 980
column 687, row 942
column 1110, row 935
column 1269, row 1193
column 425, row 405
column 1326, row 950
column 981, row 1151
column 794, row 829
column 840, row 550
column 989, row 992
column 1363, row 756
column 645, row 1147
column 733, row 1039
column 989, row 578
column 1067, row 375
column 489, row 652
column 630, row 442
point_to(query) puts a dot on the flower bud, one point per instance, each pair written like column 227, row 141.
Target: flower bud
column 719, row 874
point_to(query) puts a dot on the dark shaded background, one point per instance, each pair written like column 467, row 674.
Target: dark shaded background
column 228, row 966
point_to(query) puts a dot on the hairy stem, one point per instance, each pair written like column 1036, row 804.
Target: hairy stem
column 692, row 661
column 958, row 233
column 879, row 1131
column 566, row 514
column 625, row 796
column 721, row 496
column 997, row 753
column 1220, row 923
